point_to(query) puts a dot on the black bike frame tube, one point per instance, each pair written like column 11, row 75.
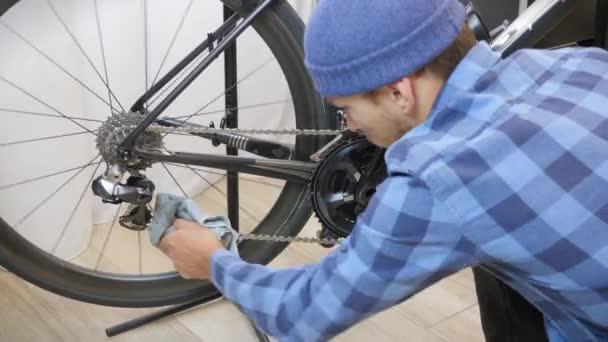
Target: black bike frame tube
column 232, row 121
column 228, row 25
column 260, row 147
column 221, row 47
column 601, row 24
column 289, row 170
column 532, row 25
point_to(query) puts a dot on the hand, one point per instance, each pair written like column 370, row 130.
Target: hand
column 190, row 247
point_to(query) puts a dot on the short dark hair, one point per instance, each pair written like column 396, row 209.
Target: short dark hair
column 444, row 64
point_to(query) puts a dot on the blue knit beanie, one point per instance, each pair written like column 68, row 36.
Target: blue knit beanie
column 355, row 46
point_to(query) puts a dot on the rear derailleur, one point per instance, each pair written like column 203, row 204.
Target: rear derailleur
column 137, row 191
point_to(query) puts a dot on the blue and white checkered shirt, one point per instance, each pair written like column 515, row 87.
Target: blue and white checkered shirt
column 510, row 171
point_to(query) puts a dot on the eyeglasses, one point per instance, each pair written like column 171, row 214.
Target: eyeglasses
column 342, row 117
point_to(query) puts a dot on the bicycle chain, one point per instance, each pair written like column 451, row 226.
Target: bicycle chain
column 209, row 130
column 290, row 239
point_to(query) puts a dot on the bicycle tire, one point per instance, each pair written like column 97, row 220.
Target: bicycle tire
column 282, row 30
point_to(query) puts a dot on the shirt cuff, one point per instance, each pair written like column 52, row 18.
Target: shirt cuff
column 221, row 261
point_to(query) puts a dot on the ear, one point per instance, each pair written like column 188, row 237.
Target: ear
column 402, row 93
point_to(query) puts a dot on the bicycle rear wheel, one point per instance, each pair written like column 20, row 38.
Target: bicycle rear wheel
column 45, row 191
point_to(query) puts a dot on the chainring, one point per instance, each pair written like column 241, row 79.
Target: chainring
column 345, row 181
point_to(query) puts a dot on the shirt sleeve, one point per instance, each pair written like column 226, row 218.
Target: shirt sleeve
column 404, row 241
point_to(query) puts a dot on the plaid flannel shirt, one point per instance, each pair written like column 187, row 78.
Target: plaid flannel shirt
column 509, row 171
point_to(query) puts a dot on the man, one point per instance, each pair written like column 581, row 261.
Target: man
column 500, row 163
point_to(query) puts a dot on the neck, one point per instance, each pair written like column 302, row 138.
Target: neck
column 427, row 87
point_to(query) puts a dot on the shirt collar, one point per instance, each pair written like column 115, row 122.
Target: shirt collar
column 476, row 63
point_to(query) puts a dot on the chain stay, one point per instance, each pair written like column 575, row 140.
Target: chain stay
column 208, row 130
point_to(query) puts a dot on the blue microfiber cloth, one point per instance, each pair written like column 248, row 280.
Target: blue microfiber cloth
column 169, row 207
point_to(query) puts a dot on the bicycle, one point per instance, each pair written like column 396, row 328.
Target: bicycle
column 320, row 167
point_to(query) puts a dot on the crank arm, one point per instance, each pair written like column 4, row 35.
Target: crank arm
column 260, row 147
column 289, row 170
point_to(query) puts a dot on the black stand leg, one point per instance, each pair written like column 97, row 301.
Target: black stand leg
column 155, row 316
column 231, row 121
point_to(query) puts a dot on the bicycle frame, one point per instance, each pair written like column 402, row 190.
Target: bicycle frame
column 226, row 34
column 525, row 31
column 532, row 25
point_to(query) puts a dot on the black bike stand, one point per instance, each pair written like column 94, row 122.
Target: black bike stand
column 230, row 121
column 155, row 316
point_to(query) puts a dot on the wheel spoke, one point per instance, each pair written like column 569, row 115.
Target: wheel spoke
column 103, row 56
column 175, row 35
column 43, row 202
column 12, row 143
column 4, row 187
column 178, row 77
column 175, row 180
column 197, row 170
column 205, row 179
column 239, row 108
column 86, row 56
column 228, row 89
column 221, row 174
column 208, row 171
column 23, row 112
column 193, row 65
column 105, row 241
column 140, row 251
column 46, row 56
column 213, row 186
column 251, row 73
column 44, row 103
column 67, row 224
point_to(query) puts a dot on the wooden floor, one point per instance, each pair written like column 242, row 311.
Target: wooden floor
column 445, row 312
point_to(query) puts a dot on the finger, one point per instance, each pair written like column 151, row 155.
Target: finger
column 163, row 248
column 165, row 244
column 185, row 276
column 176, row 268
